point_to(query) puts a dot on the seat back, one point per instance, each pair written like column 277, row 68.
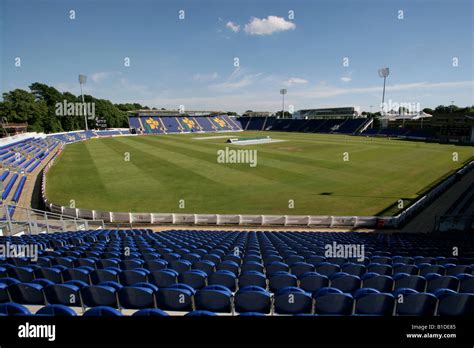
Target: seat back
column 334, row 304
column 375, row 304
column 422, row 304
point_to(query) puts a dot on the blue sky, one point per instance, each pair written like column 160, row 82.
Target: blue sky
column 190, row 61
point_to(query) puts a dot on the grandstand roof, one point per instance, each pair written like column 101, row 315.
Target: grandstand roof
column 392, row 116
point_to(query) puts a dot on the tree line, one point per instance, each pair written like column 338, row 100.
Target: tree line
column 38, row 107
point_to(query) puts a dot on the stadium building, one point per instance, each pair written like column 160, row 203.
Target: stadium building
column 328, row 113
column 445, row 127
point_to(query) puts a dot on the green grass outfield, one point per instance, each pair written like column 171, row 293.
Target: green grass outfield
column 306, row 168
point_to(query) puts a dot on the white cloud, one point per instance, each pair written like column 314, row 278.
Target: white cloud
column 346, row 79
column 268, row 26
column 295, row 81
column 325, row 91
column 102, row 75
column 233, row 26
column 235, row 83
column 205, row 77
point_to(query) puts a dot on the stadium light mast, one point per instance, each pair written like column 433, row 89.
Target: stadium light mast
column 82, row 80
column 283, row 92
column 384, row 72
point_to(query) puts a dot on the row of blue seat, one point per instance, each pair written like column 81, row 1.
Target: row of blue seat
column 15, row 309
column 308, row 280
column 289, row 300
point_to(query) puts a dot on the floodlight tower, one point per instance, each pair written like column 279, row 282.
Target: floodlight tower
column 283, row 92
column 83, row 80
column 384, row 72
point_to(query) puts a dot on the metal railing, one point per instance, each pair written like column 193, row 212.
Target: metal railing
column 33, row 221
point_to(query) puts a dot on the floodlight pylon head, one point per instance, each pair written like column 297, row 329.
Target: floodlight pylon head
column 82, row 79
column 283, row 91
column 384, row 72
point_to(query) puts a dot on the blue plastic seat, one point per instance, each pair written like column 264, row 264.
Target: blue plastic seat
column 86, row 261
column 200, row 313
column 252, row 278
column 382, row 283
column 23, row 274
column 454, row 270
column 206, row 266
column 53, row 274
column 9, row 281
column 281, row 279
column 4, row 296
column 315, row 259
column 131, row 277
column 467, row 285
column 456, row 305
column 325, row 291
column 293, row 300
column 443, row 292
column 290, row 260
column 98, row 295
column 428, row 268
column 214, row 258
column 334, row 304
column 180, row 266
column 215, row 298
column 299, row 268
column 251, row 314
column 404, row 268
column 229, row 265
column 43, row 282
column 252, row 299
column 150, row 312
column 103, row 275
column 420, row 304
column 223, row 277
column 313, row 281
column 65, row 261
column 276, row 266
column 177, row 297
column 56, row 310
column 135, row 297
column 81, row 274
column 163, row 278
column 155, row 265
column 381, row 259
column 77, row 283
column 102, row 311
column 375, row 304
column 131, row 264
column 194, row 278
column 252, row 266
column 337, row 260
column 364, row 291
column 327, row 269
column 65, row 294
column 106, row 263
column 11, row 308
column 27, row 293
column 353, row 269
column 407, row 260
column 345, row 282
column 382, row 269
column 403, row 292
column 436, row 281
column 404, row 280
